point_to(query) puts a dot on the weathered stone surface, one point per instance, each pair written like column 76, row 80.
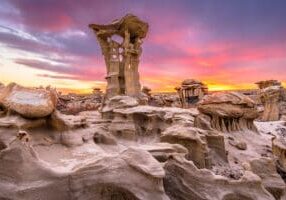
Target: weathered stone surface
column 146, row 90
column 238, row 144
column 162, row 151
column 267, row 83
column 122, row 59
column 184, row 181
column 266, row 170
column 203, row 121
column 141, row 121
column 191, row 92
column 28, row 102
column 143, row 162
column 25, row 176
column 229, row 111
column 127, row 151
column 62, row 122
column 197, row 141
column 271, row 95
column 75, row 103
column 103, row 137
column 279, row 150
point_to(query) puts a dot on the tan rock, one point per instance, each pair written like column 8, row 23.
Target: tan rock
column 18, row 122
column 63, row 122
column 133, row 174
column 185, row 181
column 191, row 92
column 279, row 150
column 122, row 59
column 229, row 111
column 265, row 168
column 28, row 102
column 271, row 95
column 238, row 144
column 162, row 151
column 197, row 141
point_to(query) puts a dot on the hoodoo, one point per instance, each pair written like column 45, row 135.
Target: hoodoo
column 122, row 58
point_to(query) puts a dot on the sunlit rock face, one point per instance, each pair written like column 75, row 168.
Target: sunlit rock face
column 122, row 58
column 129, row 151
column 229, row 111
column 28, row 102
column 273, row 96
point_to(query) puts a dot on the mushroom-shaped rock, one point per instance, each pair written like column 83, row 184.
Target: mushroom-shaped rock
column 229, row 111
column 133, row 24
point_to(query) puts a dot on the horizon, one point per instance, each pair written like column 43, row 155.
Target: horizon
column 228, row 46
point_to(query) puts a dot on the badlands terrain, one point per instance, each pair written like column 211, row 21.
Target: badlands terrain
column 127, row 143
column 56, row 146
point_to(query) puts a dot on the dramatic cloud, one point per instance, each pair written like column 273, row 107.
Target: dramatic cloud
column 223, row 43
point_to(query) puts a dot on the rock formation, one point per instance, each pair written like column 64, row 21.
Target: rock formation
column 130, row 151
column 75, row 103
column 191, row 91
column 30, row 103
column 272, row 95
column 122, row 59
column 229, row 111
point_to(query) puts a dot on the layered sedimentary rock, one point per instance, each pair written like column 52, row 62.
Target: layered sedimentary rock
column 133, row 152
column 191, row 91
column 25, row 176
column 165, row 100
column 130, row 151
column 184, row 181
column 75, row 103
column 279, row 150
column 265, row 168
column 229, row 111
column 272, row 95
column 122, row 59
column 172, row 125
column 198, row 142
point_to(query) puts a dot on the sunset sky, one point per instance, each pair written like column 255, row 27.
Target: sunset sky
column 228, row 44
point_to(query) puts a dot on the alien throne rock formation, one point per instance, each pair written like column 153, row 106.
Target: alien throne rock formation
column 60, row 147
column 122, row 59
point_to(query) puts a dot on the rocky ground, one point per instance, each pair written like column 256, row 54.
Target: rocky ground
column 129, row 151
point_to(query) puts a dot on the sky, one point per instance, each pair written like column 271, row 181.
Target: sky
column 228, row 44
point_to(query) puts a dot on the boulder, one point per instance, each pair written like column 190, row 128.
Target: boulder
column 28, row 102
column 238, row 144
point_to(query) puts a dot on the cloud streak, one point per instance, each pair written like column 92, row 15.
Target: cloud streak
column 222, row 42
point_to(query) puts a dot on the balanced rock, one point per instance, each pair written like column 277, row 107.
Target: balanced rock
column 229, row 111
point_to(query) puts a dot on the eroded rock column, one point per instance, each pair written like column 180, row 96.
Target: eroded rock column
column 271, row 95
column 122, row 58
